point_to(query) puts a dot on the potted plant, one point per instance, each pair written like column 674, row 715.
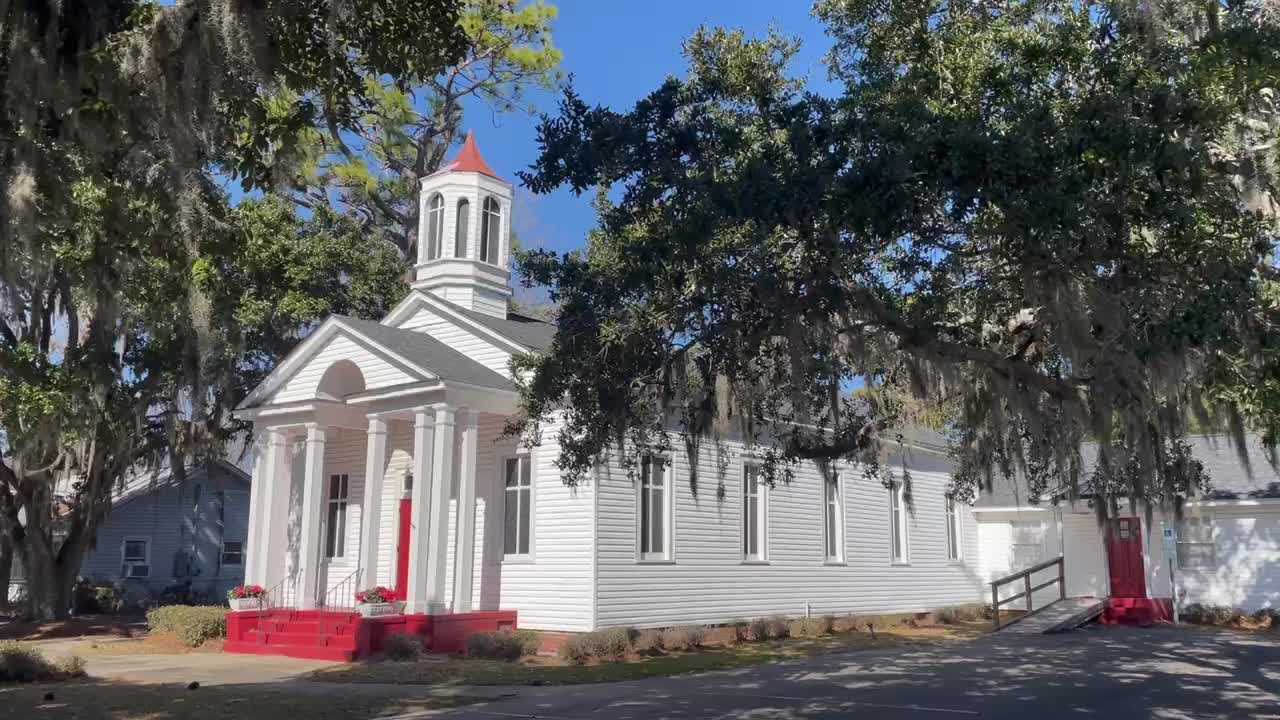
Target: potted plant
column 377, row 601
column 246, row 597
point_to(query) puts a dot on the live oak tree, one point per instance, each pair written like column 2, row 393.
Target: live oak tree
column 123, row 268
column 1055, row 220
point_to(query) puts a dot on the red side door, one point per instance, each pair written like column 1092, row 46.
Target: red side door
column 1124, row 558
column 402, row 548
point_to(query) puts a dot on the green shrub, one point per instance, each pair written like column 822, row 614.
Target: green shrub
column 741, row 631
column 530, row 641
column 815, row 626
column 71, row 666
column 193, row 624
column 688, row 637
column 576, row 650
column 779, row 627
column 758, row 628
column 403, row 647
column 650, row 641
column 500, row 645
column 956, row 614
column 22, row 663
column 610, row 644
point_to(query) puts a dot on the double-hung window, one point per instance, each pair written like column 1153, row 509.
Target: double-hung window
column 135, row 555
column 755, row 532
column 336, row 519
column 953, row 528
column 655, row 507
column 1026, row 544
column 833, row 520
column 1196, row 550
column 232, row 553
column 899, row 550
column 518, row 508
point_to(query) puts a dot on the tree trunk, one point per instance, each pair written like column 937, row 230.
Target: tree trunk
column 50, row 576
column 6, row 569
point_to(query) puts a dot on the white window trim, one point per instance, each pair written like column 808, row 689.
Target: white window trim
column 668, row 556
column 1043, row 544
column 762, row 519
column 841, row 551
column 222, row 559
column 903, row 526
column 124, row 542
column 344, row 510
column 1204, row 518
column 519, row 558
column 954, row 522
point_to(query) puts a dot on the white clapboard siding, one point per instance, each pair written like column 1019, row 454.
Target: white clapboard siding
column 554, row 591
column 995, row 553
column 708, row 583
column 1086, row 560
column 378, row 373
column 344, row 453
column 474, row 345
column 1247, row 557
column 399, row 462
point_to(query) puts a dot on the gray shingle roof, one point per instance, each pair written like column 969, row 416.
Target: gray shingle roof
column 444, row 361
column 530, row 332
column 1229, row 478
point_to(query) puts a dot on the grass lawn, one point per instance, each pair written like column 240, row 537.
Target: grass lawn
column 92, row 700
column 550, row 671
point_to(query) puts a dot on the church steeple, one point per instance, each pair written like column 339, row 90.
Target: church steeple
column 464, row 231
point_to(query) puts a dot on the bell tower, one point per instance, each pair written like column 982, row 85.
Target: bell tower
column 464, row 233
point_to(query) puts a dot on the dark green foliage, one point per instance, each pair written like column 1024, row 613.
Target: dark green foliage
column 1055, row 221
column 193, row 625
column 403, row 647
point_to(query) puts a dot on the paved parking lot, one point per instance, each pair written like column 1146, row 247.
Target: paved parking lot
column 1097, row 672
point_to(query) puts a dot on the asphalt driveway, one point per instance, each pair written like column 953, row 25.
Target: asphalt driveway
column 1097, row 672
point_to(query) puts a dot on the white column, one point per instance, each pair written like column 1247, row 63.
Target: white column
column 273, row 536
column 438, row 512
column 309, row 590
column 423, row 435
column 464, row 564
column 371, row 513
column 258, row 488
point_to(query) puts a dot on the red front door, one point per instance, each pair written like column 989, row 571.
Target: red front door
column 402, row 548
column 1124, row 558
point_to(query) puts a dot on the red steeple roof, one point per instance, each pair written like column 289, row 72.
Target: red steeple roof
column 468, row 159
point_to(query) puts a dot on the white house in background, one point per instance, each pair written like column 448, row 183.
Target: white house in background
column 1226, row 548
column 162, row 534
column 381, row 461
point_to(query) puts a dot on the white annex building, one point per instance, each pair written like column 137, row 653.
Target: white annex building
column 380, row 460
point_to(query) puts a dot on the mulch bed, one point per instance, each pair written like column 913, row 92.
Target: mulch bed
column 124, row 626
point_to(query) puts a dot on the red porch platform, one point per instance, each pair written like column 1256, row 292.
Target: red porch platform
column 349, row 636
column 1143, row 612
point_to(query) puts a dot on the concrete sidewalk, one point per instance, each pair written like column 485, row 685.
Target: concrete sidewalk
column 206, row 668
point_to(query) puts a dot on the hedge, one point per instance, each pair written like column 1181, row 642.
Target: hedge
column 193, row 624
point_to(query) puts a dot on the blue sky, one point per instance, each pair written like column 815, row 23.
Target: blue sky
column 618, row 52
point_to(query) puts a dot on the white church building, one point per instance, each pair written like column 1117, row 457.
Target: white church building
column 380, row 460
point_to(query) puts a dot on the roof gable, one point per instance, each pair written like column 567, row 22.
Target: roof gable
column 514, row 333
column 386, row 356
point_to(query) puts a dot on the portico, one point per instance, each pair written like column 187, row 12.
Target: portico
column 378, row 442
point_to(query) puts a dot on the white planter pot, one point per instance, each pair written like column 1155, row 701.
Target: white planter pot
column 243, row 604
column 378, row 609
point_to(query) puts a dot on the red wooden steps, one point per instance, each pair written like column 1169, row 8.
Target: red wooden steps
column 296, row 633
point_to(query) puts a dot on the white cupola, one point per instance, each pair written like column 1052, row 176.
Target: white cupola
column 464, row 234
